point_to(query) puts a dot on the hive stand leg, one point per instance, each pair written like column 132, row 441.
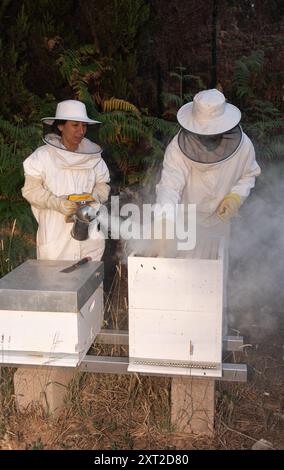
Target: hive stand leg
column 193, row 405
column 44, row 386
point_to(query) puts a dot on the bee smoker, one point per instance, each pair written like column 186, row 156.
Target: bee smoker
column 84, row 215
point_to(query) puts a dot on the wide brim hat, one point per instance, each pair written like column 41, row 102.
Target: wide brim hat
column 70, row 110
column 208, row 114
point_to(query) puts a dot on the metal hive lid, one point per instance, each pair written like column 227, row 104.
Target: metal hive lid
column 38, row 285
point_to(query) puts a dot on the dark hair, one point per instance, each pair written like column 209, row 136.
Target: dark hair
column 57, row 122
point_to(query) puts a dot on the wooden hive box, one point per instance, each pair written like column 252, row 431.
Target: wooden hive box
column 48, row 317
column 175, row 313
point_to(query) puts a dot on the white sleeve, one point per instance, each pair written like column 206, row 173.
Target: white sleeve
column 101, row 189
column 173, row 178
column 251, row 170
column 33, row 165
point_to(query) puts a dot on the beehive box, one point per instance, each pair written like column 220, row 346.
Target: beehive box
column 48, row 317
column 175, row 313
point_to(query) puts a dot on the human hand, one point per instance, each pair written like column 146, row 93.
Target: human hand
column 65, row 206
column 228, row 207
column 165, row 245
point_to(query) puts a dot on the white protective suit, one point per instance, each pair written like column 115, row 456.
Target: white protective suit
column 188, row 182
column 63, row 173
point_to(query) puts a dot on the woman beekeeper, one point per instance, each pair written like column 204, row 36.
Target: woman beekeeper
column 210, row 163
column 69, row 164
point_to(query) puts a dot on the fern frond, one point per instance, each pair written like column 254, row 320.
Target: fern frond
column 18, row 131
column 275, row 149
column 7, row 154
column 87, row 50
column 10, row 182
column 160, row 125
column 256, row 60
column 19, row 210
column 189, row 96
column 117, row 117
column 108, row 132
column 245, row 68
column 134, row 132
column 241, row 79
column 68, row 62
column 115, row 104
column 264, row 125
column 169, row 98
column 263, row 108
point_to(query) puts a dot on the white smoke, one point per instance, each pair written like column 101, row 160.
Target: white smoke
column 255, row 290
column 256, row 274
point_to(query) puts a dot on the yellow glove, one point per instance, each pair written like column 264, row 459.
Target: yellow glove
column 78, row 200
column 229, row 207
column 62, row 205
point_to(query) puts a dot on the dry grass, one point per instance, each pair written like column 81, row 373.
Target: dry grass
column 104, row 411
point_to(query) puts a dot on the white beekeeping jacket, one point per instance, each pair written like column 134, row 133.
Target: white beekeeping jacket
column 206, row 184
column 186, row 181
column 63, row 173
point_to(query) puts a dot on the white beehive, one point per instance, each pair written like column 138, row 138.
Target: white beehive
column 175, row 313
column 48, row 317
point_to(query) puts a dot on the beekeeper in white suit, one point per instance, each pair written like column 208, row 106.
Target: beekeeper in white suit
column 68, row 164
column 211, row 163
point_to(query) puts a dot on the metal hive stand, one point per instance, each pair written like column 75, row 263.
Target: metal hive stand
column 119, row 365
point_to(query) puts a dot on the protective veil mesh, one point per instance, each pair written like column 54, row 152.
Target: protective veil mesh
column 209, row 149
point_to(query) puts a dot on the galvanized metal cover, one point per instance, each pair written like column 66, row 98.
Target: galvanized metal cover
column 38, row 285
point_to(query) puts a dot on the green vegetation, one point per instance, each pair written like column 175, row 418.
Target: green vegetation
column 260, row 116
column 124, row 59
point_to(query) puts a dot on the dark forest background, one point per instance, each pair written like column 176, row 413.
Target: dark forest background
column 133, row 63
